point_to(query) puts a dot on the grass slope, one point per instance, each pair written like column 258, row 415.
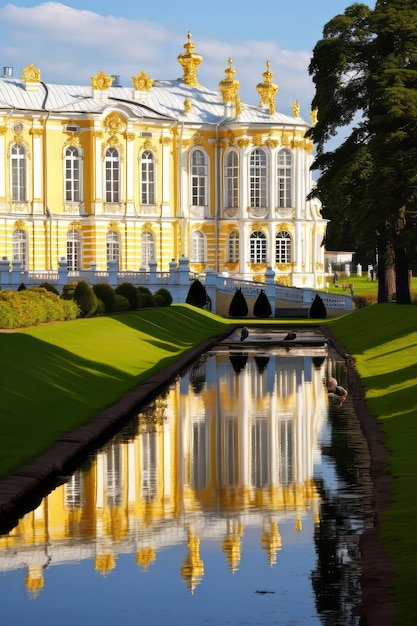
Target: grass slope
column 383, row 339
column 58, row 376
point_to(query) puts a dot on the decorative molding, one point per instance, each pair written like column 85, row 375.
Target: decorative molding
column 101, row 82
column 20, row 225
column 231, row 138
column 113, row 225
column 257, row 267
column 257, row 139
column 147, row 228
column 166, row 141
column 198, row 139
column 36, row 132
column 31, row 74
column 75, row 226
column 3, row 130
column 243, row 142
column 130, row 136
column 114, row 123
column 142, row 82
column 148, row 145
column 98, row 134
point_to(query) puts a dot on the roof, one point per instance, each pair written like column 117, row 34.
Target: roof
column 164, row 101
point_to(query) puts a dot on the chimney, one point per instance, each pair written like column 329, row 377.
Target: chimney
column 116, row 80
column 7, row 71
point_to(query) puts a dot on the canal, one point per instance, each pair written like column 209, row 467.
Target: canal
column 237, row 496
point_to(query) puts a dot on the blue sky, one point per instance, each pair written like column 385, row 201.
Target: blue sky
column 73, row 40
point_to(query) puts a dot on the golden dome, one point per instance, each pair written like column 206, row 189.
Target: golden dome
column 267, row 90
column 229, row 86
column 190, row 62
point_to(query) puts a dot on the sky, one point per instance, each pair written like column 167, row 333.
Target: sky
column 71, row 41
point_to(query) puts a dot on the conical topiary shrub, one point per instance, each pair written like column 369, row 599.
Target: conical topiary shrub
column 262, row 306
column 238, row 306
column 317, row 309
column 197, row 294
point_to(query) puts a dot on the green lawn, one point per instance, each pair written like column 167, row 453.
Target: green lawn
column 364, row 287
column 383, row 340
column 58, row 376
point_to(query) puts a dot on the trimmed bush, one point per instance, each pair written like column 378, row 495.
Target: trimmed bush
column 145, row 300
column 121, row 303
column 164, row 293
column 106, row 294
column 318, row 309
column 238, row 306
column 22, row 287
column 262, row 306
column 20, row 309
column 197, row 294
column 50, row 288
column 86, row 299
column 68, row 291
column 143, row 289
column 130, row 292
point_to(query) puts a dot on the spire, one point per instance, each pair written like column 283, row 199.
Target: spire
column 190, row 61
column 229, row 86
column 267, row 90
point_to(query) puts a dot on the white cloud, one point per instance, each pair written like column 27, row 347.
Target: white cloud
column 70, row 45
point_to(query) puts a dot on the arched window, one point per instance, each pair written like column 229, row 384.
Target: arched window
column 72, row 175
column 147, row 178
column 73, row 250
column 233, row 247
column 112, row 247
column 19, row 246
column 18, row 169
column 148, row 249
column 258, row 179
column 112, row 175
column 198, row 178
column 258, row 247
column 198, row 246
column 283, row 247
column 284, row 178
column 231, row 180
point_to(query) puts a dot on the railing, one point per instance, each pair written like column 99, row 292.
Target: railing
column 177, row 281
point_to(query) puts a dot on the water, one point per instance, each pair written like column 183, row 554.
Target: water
column 236, row 497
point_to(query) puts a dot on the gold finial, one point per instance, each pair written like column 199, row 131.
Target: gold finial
column 314, row 116
column 295, row 108
column 142, row 82
column 267, row 90
column 101, row 81
column 30, row 74
column 190, row 62
column 229, row 86
column 192, row 569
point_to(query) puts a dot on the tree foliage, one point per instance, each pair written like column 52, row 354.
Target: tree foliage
column 365, row 73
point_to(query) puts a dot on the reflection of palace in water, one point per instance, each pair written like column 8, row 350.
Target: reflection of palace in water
column 230, row 445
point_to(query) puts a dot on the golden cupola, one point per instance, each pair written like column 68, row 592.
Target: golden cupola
column 229, row 86
column 190, row 61
column 267, row 90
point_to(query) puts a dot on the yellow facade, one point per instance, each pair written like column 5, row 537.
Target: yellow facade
column 154, row 172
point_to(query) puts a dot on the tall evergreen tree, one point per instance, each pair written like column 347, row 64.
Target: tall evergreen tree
column 365, row 73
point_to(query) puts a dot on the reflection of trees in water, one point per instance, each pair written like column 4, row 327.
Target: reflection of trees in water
column 344, row 513
column 261, row 362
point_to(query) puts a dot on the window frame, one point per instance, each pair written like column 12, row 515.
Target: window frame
column 112, row 176
column 258, row 179
column 231, row 180
column 283, row 247
column 147, row 178
column 198, row 247
column 233, row 247
column 20, row 246
column 72, row 174
column 284, row 178
column 148, row 252
column 113, row 247
column 198, row 178
column 18, row 172
column 258, row 247
column 74, row 250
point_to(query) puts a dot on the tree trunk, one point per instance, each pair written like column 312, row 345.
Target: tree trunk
column 402, row 284
column 386, row 272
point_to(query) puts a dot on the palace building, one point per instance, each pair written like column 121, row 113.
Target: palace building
column 155, row 171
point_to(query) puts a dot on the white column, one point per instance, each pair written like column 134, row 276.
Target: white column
column 37, row 170
column 131, row 163
column 2, row 166
column 98, row 173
